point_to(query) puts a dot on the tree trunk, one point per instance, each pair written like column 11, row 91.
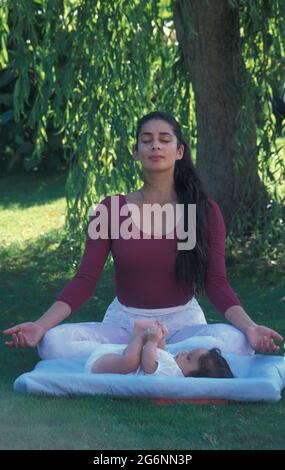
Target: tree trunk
column 208, row 33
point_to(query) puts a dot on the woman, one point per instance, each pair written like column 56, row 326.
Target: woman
column 154, row 280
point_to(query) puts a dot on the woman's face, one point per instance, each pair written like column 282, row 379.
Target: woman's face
column 188, row 361
column 157, row 138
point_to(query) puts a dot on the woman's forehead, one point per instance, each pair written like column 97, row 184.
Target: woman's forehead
column 156, row 126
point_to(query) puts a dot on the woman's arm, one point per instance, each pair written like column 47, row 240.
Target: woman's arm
column 238, row 317
column 97, row 249
column 74, row 294
column 261, row 338
column 217, row 287
column 221, row 294
column 58, row 312
column 29, row 334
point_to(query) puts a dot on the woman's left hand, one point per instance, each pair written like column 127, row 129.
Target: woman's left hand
column 262, row 338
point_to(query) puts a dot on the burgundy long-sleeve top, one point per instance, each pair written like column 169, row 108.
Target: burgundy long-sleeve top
column 145, row 268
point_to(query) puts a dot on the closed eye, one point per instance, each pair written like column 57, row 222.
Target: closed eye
column 147, row 141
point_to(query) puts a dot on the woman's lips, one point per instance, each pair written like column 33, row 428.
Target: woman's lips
column 157, row 158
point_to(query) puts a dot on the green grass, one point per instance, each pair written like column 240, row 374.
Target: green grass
column 34, row 268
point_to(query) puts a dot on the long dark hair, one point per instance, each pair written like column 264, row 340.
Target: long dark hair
column 190, row 267
column 213, row 364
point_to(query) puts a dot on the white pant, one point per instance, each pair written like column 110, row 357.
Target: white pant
column 183, row 321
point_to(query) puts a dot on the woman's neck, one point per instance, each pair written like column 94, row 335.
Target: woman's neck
column 159, row 195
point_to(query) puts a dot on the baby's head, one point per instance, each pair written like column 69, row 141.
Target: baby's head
column 203, row 362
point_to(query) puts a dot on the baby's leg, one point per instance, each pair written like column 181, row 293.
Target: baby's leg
column 141, row 325
column 161, row 344
column 117, row 364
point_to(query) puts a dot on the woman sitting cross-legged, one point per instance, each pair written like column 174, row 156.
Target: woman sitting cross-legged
column 145, row 354
column 157, row 275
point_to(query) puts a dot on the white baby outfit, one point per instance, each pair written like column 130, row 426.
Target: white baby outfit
column 167, row 365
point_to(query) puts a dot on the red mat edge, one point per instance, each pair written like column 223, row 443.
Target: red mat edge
column 203, row 401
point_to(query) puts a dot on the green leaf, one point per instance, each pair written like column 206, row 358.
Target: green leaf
column 6, row 117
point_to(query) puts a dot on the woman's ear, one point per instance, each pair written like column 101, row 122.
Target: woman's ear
column 180, row 152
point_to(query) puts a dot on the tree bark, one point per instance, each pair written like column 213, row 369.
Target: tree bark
column 208, row 33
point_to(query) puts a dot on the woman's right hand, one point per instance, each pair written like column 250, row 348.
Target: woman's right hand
column 24, row 335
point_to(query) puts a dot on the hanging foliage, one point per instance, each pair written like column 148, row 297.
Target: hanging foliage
column 95, row 67
column 88, row 69
column 263, row 47
column 262, row 28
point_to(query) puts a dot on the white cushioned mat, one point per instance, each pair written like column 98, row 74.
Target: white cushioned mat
column 257, row 378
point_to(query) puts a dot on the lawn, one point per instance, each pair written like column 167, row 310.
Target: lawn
column 34, row 268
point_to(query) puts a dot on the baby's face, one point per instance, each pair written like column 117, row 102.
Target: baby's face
column 188, row 361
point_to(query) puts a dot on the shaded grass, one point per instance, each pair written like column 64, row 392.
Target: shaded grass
column 33, row 270
column 108, row 423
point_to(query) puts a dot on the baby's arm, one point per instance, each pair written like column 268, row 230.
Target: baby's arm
column 149, row 353
column 121, row 364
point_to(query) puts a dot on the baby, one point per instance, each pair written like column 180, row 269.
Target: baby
column 145, row 354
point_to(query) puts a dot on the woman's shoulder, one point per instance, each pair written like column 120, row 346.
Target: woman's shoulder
column 212, row 202
column 133, row 197
column 106, row 200
column 213, row 206
column 215, row 215
column 113, row 202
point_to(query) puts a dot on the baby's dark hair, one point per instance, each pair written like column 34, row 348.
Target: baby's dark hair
column 213, row 364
